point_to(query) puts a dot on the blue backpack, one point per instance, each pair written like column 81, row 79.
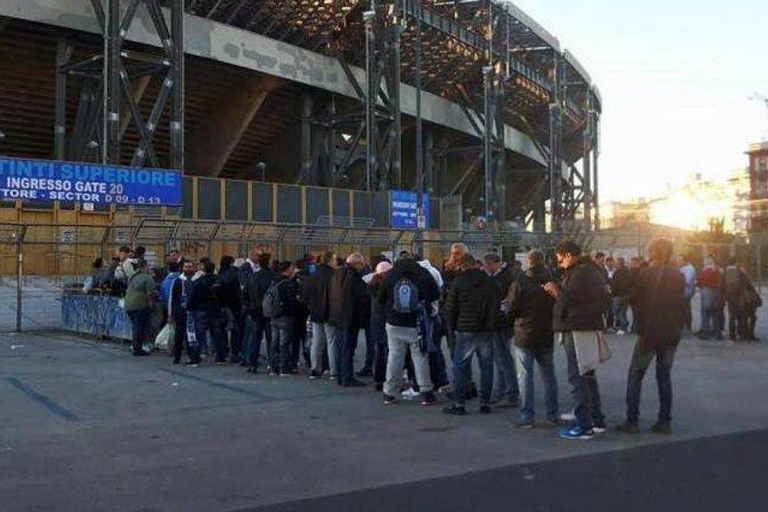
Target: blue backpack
column 406, row 297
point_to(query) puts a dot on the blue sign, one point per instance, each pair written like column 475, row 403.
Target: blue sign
column 404, row 210
column 46, row 180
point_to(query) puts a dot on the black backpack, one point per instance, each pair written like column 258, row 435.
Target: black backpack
column 273, row 306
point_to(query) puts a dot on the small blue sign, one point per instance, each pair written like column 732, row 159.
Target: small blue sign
column 47, row 180
column 404, row 211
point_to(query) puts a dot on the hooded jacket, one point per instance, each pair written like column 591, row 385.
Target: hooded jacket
column 420, row 277
column 583, row 298
column 530, row 307
column 472, row 304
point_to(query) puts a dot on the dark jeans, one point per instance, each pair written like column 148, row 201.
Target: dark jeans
column 381, row 349
column 468, row 344
column 619, row 306
column 300, row 346
column 210, row 322
column 345, row 355
column 259, row 327
column 584, row 389
column 180, row 341
column 641, row 360
column 140, row 326
column 737, row 322
column 234, row 332
column 281, row 351
column 370, row 350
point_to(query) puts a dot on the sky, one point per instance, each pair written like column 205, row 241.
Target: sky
column 675, row 77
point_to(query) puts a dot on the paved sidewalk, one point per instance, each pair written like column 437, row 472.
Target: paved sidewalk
column 85, row 426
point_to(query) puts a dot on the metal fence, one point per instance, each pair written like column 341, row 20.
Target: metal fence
column 40, row 262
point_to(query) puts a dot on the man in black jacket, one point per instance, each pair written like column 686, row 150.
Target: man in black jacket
column 350, row 311
column 204, row 305
column 282, row 322
column 256, row 286
column 530, row 307
column 183, row 319
column 659, row 294
column 621, row 289
column 407, row 287
column 472, row 311
column 228, row 292
column 315, row 294
column 581, row 299
column 507, row 390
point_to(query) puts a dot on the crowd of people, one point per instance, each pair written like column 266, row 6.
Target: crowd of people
column 311, row 312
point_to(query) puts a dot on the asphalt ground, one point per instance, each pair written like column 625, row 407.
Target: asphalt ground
column 85, row 426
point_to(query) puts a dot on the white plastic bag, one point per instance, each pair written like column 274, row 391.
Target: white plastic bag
column 164, row 339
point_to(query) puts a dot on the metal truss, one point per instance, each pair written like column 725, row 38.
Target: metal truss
column 108, row 82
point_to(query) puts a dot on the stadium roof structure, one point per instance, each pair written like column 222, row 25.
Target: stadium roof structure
column 513, row 118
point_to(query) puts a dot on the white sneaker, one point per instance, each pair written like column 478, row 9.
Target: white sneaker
column 568, row 416
column 410, row 394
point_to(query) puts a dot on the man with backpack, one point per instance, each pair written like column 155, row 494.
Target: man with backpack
column 280, row 306
column 259, row 327
column 735, row 284
column 315, row 294
column 350, row 312
column 472, row 312
column 406, row 290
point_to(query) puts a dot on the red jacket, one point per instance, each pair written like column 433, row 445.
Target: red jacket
column 709, row 277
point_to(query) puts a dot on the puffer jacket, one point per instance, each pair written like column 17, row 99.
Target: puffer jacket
column 472, row 303
column 531, row 308
column 584, row 297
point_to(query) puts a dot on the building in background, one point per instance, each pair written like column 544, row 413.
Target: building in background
column 623, row 213
column 758, row 186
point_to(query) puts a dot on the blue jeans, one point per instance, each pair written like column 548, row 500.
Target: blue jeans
column 620, row 306
column 468, row 344
column 281, row 345
column 345, row 355
column 506, row 376
column 712, row 317
column 140, row 327
column 210, row 322
column 641, row 360
column 258, row 328
column 584, row 389
column 545, row 358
